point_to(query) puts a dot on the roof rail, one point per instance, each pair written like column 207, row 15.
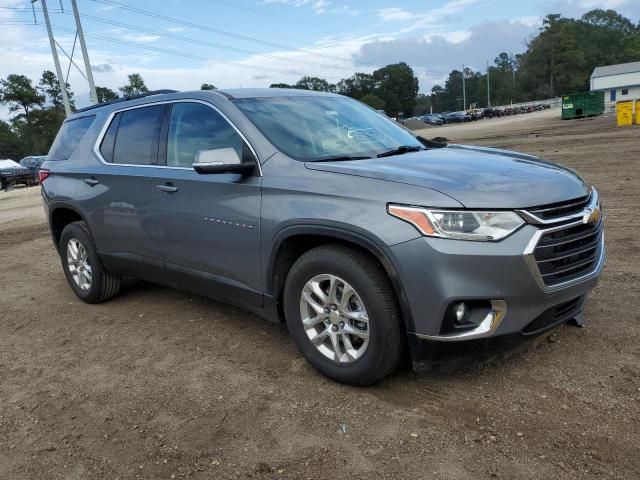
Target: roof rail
column 125, row 99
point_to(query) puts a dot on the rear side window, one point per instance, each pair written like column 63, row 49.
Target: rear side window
column 132, row 137
column 69, row 137
column 194, row 127
column 109, row 139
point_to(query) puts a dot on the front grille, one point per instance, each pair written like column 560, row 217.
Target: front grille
column 568, row 253
column 554, row 316
column 561, row 209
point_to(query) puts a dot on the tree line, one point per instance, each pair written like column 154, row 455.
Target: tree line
column 559, row 59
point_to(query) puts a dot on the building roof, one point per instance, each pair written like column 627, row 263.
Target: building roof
column 621, row 68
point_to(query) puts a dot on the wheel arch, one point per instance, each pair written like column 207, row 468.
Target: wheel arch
column 292, row 241
column 62, row 215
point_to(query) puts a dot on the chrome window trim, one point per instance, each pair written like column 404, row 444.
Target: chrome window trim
column 534, row 219
column 530, row 260
column 107, row 123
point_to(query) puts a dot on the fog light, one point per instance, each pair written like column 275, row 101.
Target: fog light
column 463, row 315
column 460, row 311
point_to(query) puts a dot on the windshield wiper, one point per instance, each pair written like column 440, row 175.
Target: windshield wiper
column 340, row 158
column 400, row 150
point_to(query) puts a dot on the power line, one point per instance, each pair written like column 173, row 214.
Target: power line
column 215, row 30
column 202, row 42
column 174, row 52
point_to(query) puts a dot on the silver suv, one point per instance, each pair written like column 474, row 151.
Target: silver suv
column 315, row 210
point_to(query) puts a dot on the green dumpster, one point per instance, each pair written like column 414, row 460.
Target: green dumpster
column 578, row 105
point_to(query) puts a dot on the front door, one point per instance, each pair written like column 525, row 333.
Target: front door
column 209, row 223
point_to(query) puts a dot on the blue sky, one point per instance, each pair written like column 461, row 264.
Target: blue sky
column 257, row 42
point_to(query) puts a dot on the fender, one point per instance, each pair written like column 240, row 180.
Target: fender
column 54, row 205
column 346, row 233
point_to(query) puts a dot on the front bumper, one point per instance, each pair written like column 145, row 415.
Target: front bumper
column 435, row 272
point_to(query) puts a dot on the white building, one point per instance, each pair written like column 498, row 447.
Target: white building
column 618, row 82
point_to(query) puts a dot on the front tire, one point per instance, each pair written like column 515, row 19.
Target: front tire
column 341, row 312
column 85, row 273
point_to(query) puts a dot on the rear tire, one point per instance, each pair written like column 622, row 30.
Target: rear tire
column 373, row 348
column 85, row 273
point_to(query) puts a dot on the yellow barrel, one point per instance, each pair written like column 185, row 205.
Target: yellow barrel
column 638, row 112
column 624, row 113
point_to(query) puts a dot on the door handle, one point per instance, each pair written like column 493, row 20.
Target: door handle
column 167, row 188
column 92, row 182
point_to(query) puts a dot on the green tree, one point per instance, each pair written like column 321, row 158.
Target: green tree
column 373, row 101
column 135, row 86
column 18, row 91
column 397, row 86
column 610, row 20
column 280, row 85
column 315, row 83
column 37, row 134
column 10, row 145
column 356, row 86
column 208, row 86
column 50, row 88
column 105, row 94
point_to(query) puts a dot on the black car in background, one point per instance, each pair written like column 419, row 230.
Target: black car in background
column 457, row 117
column 433, row 119
column 33, row 163
column 23, row 173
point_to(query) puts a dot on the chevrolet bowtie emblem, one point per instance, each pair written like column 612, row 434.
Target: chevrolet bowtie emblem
column 591, row 215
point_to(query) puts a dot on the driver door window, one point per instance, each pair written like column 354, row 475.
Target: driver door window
column 194, row 127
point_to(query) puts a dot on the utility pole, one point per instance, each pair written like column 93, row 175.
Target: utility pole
column 464, row 93
column 87, row 65
column 488, row 94
column 56, row 60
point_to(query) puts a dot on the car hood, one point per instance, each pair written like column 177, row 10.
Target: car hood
column 477, row 177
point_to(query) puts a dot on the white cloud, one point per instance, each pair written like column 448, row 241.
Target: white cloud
column 434, row 17
column 393, row 14
column 318, row 6
column 434, row 55
column 140, row 38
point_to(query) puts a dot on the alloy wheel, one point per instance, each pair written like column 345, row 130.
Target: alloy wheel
column 334, row 318
column 79, row 268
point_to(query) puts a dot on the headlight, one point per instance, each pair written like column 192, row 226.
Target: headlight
column 459, row 224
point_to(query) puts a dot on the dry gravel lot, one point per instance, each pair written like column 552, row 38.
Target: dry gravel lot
column 162, row 384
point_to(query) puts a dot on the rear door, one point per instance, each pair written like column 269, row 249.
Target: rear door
column 209, row 223
column 125, row 226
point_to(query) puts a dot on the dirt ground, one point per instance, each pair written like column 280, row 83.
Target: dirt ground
column 161, row 384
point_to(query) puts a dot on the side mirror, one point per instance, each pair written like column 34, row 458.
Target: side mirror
column 221, row 160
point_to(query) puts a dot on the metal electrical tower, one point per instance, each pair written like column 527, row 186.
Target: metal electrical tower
column 83, row 46
column 56, row 60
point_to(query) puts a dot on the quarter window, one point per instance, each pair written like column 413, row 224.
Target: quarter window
column 135, row 141
column 69, row 137
column 194, row 127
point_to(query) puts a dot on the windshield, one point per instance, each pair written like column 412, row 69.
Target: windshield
column 320, row 128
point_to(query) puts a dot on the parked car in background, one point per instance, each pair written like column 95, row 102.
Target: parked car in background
column 475, row 113
column 33, row 163
column 310, row 208
column 457, row 117
column 12, row 174
column 491, row 112
column 432, row 119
